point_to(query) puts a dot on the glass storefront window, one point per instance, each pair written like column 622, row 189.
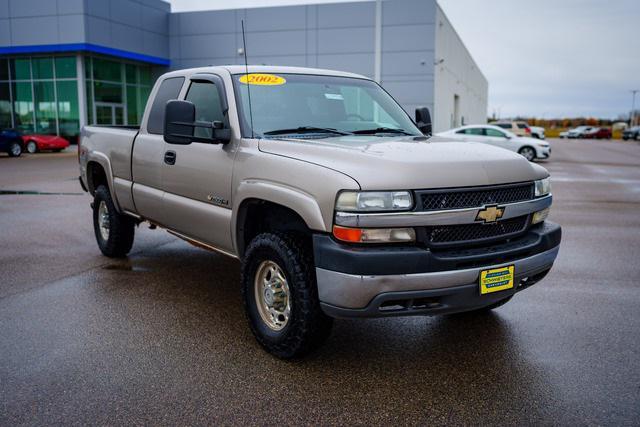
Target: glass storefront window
column 116, row 92
column 23, row 106
column 89, row 93
column 131, row 74
column 68, row 117
column 108, row 92
column 5, row 105
column 42, row 68
column 21, row 69
column 4, row 69
column 145, row 76
column 106, row 70
column 65, row 67
column 45, row 106
column 133, row 115
column 43, row 95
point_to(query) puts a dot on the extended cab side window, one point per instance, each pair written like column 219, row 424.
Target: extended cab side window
column 169, row 89
column 205, row 97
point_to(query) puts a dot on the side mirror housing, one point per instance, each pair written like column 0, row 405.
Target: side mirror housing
column 180, row 123
column 423, row 120
column 179, row 117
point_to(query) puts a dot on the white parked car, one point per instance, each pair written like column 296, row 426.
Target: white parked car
column 530, row 148
column 576, row 132
column 537, row 132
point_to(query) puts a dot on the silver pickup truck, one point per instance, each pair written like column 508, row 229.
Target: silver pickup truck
column 332, row 197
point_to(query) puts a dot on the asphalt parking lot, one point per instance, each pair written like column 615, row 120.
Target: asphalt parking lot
column 160, row 338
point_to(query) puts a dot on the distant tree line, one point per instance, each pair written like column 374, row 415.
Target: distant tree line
column 570, row 122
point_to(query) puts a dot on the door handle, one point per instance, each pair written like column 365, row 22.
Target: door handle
column 170, row 157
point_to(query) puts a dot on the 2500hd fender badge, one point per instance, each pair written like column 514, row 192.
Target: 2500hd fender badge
column 489, row 214
column 217, row 200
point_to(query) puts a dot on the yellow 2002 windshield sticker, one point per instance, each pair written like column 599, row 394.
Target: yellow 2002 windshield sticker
column 262, row 79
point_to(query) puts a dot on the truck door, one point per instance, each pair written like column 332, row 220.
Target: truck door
column 148, row 151
column 197, row 177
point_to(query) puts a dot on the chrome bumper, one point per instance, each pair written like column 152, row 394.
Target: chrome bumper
column 355, row 292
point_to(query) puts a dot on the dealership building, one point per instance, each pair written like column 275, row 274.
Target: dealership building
column 67, row 63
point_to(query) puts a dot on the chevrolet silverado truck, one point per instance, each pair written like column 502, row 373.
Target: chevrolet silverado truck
column 336, row 202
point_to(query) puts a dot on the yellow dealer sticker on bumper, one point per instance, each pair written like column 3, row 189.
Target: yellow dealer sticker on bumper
column 497, row 279
column 262, row 79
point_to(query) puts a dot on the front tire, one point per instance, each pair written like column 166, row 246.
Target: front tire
column 32, row 147
column 281, row 296
column 15, row 149
column 114, row 231
column 528, row 153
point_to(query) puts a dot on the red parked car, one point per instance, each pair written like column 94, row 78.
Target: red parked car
column 35, row 143
column 598, row 133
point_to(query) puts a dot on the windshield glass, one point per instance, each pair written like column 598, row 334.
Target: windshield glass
column 319, row 105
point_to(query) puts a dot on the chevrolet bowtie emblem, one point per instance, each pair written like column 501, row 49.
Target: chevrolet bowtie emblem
column 489, row 214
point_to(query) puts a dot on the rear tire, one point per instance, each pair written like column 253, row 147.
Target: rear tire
column 281, row 296
column 114, row 231
column 32, row 147
column 528, row 153
column 15, row 149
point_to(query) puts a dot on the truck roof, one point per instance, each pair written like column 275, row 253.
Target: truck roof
column 238, row 69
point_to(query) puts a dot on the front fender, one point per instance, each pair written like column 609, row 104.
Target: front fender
column 304, row 204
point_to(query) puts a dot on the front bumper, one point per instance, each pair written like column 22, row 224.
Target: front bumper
column 391, row 281
column 544, row 152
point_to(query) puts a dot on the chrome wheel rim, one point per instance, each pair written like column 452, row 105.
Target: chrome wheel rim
column 15, row 149
column 103, row 221
column 272, row 295
column 31, row 147
column 528, row 154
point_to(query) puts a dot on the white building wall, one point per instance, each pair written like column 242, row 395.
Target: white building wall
column 456, row 75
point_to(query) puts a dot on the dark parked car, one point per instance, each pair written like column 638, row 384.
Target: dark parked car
column 631, row 133
column 11, row 142
column 597, row 133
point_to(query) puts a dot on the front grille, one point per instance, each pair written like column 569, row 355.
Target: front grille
column 451, row 234
column 475, row 197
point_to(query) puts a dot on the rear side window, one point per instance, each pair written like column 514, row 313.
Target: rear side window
column 475, row 131
column 169, row 89
column 206, row 99
column 495, row 133
column 522, row 126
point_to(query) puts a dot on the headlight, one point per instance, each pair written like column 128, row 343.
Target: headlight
column 543, row 187
column 374, row 201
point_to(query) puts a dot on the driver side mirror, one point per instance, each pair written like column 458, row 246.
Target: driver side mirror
column 180, row 123
column 423, row 120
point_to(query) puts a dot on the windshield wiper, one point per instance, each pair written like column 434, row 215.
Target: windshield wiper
column 381, row 130
column 306, row 129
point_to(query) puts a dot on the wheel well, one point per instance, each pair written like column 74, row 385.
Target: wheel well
column 256, row 216
column 96, row 176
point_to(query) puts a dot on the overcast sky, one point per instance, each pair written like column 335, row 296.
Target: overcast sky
column 551, row 58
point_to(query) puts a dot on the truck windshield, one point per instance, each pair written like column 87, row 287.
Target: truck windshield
column 318, row 106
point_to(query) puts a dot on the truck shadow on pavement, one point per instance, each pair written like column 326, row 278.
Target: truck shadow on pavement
column 185, row 305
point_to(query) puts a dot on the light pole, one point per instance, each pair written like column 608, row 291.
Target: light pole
column 633, row 107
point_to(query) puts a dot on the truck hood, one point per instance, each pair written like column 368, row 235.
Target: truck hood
column 397, row 163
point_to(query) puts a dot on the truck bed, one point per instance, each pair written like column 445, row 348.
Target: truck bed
column 116, row 142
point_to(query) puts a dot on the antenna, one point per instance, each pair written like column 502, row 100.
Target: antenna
column 246, row 68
